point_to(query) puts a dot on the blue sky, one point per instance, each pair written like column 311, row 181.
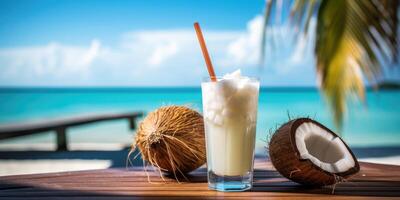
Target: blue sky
column 141, row 43
column 77, row 22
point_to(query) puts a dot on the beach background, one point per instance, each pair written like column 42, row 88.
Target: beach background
column 375, row 124
column 62, row 59
column 372, row 130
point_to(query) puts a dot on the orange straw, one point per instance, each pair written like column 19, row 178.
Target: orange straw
column 205, row 52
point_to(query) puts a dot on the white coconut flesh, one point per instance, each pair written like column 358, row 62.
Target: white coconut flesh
column 323, row 149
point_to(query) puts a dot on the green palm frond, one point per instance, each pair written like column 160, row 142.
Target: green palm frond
column 267, row 14
column 301, row 13
column 355, row 39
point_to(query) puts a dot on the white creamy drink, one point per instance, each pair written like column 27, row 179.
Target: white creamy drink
column 230, row 115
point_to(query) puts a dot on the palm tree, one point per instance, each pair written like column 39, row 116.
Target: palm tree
column 354, row 39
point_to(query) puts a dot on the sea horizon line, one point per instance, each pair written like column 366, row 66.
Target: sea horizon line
column 149, row 89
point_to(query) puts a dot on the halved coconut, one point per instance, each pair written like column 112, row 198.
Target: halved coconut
column 307, row 152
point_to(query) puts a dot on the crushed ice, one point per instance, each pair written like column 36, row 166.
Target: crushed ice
column 232, row 97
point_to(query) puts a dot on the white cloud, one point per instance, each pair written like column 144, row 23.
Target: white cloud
column 50, row 59
column 91, row 54
column 245, row 49
column 161, row 46
column 304, row 42
column 145, row 57
column 162, row 53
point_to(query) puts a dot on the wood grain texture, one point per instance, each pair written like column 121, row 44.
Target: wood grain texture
column 374, row 181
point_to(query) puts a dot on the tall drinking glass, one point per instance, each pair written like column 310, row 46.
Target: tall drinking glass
column 230, row 116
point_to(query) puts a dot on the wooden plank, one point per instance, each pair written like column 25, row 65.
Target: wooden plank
column 373, row 181
column 201, row 187
column 61, row 139
column 185, row 198
column 16, row 130
column 169, row 193
column 195, row 198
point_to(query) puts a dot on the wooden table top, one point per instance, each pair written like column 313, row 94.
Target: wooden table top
column 373, row 181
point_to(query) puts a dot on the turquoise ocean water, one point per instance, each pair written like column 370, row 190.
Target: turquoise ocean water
column 375, row 124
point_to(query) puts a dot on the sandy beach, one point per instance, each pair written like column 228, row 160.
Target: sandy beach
column 41, row 158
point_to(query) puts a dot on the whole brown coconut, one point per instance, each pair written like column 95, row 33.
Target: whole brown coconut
column 307, row 152
column 172, row 139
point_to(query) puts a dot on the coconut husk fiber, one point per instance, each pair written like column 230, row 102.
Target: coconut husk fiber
column 172, row 139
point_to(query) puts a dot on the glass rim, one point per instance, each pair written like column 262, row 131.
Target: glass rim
column 219, row 78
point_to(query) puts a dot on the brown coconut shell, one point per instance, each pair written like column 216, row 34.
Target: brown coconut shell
column 172, row 139
column 286, row 158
